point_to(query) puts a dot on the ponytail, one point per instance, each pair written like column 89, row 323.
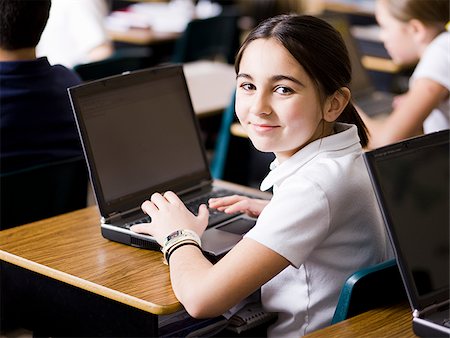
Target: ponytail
column 350, row 115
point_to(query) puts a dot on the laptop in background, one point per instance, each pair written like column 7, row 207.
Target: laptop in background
column 411, row 181
column 372, row 102
column 140, row 135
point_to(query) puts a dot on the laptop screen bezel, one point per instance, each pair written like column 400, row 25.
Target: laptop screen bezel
column 371, row 158
column 134, row 199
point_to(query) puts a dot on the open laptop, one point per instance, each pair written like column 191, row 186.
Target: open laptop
column 371, row 101
column 140, row 135
column 411, row 181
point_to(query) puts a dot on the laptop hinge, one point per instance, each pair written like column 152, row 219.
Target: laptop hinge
column 200, row 186
column 432, row 308
column 119, row 215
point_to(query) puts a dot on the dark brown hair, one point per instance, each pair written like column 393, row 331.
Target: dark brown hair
column 319, row 48
column 22, row 23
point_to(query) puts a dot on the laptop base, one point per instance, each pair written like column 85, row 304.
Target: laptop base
column 135, row 241
column 425, row 328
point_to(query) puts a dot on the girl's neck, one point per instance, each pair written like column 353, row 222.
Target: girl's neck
column 328, row 129
column 18, row 54
column 430, row 34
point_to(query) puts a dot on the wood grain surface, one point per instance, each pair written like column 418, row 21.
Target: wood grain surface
column 71, row 249
column 393, row 322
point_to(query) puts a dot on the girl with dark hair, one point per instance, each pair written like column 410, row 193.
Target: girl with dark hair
column 322, row 223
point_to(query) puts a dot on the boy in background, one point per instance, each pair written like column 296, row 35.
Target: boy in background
column 36, row 120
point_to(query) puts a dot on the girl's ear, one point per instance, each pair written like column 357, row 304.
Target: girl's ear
column 336, row 103
column 418, row 29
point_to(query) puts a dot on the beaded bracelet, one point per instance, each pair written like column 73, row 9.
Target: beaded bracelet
column 186, row 233
column 177, row 237
column 173, row 249
column 174, row 245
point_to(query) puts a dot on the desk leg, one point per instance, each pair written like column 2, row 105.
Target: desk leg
column 51, row 308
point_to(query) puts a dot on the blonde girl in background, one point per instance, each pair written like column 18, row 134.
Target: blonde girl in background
column 415, row 31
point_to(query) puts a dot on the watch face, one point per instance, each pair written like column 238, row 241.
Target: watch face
column 174, row 235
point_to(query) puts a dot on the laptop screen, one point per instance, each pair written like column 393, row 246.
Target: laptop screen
column 412, row 183
column 140, row 135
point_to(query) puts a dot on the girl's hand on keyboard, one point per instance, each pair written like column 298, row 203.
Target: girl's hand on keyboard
column 237, row 203
column 168, row 214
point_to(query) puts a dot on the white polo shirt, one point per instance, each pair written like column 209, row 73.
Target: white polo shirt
column 74, row 28
column 435, row 65
column 325, row 220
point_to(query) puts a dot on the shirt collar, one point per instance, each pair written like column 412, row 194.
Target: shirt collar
column 24, row 66
column 346, row 136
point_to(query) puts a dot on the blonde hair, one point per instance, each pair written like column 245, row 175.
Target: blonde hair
column 434, row 13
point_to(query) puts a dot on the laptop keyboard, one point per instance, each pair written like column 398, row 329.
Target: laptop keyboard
column 215, row 216
column 378, row 104
column 145, row 219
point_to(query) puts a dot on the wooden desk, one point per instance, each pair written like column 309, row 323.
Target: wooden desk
column 382, row 65
column 142, row 36
column 395, row 321
column 348, row 7
column 236, row 129
column 81, row 284
column 71, row 249
column 211, row 85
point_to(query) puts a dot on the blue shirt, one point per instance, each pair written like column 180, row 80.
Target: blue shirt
column 36, row 120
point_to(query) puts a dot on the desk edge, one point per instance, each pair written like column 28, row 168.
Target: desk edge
column 89, row 286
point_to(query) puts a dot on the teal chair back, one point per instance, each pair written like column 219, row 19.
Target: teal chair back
column 42, row 191
column 376, row 286
column 219, row 159
column 210, row 38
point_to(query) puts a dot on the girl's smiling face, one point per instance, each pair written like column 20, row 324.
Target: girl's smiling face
column 276, row 101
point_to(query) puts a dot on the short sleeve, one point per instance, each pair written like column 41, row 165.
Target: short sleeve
column 435, row 63
column 295, row 221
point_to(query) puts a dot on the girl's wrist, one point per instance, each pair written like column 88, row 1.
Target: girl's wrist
column 177, row 239
column 176, row 247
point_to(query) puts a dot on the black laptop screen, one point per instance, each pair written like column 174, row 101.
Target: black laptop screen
column 415, row 188
column 140, row 133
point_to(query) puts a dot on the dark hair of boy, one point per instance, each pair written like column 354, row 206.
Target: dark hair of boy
column 22, row 23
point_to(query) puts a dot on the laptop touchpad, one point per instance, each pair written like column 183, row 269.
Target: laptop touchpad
column 239, row 226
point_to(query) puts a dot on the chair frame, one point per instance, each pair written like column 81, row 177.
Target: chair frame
column 43, row 191
column 368, row 288
column 207, row 39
